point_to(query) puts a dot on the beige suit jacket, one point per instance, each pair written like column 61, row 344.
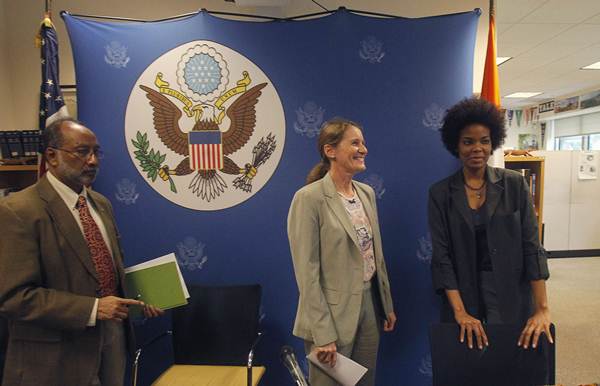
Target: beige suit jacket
column 328, row 264
column 48, row 288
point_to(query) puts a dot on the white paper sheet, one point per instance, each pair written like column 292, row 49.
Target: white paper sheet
column 158, row 261
column 588, row 165
column 346, row 371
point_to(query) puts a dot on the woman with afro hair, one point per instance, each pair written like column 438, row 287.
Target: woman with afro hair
column 487, row 261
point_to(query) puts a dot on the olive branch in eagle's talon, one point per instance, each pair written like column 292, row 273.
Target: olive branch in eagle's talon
column 151, row 162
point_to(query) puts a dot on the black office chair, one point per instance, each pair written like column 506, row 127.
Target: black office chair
column 214, row 338
column 502, row 363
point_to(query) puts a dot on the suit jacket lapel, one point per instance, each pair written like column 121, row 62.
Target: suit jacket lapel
column 459, row 198
column 66, row 224
column 336, row 206
column 367, row 206
column 493, row 192
column 372, row 215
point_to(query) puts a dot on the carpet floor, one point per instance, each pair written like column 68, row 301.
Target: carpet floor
column 574, row 299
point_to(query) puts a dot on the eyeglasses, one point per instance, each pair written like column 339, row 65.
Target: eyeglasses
column 83, row 154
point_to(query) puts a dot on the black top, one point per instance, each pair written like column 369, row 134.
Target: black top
column 512, row 238
column 484, row 263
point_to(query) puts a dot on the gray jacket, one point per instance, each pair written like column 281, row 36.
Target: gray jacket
column 328, row 264
column 512, row 234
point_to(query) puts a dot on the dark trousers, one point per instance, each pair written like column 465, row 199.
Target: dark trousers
column 488, row 298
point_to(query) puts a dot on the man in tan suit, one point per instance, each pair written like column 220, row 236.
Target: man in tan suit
column 62, row 273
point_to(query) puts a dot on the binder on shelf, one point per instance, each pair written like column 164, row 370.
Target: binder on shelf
column 4, row 151
column 530, row 178
column 25, row 142
column 19, row 143
column 31, row 142
column 37, row 144
column 15, row 146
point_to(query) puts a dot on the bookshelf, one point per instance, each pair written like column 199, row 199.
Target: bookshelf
column 17, row 176
column 532, row 169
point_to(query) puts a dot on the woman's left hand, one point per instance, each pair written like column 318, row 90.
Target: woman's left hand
column 536, row 325
column 390, row 322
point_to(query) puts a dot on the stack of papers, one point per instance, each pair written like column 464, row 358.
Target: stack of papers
column 346, row 372
column 157, row 282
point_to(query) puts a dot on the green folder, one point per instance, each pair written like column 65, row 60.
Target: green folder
column 157, row 285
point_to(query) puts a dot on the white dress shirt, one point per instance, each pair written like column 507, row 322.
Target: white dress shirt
column 70, row 197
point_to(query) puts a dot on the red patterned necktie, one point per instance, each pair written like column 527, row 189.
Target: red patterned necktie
column 98, row 250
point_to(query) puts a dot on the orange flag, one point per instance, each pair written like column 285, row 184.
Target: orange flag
column 490, row 89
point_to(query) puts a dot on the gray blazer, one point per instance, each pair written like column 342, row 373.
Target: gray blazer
column 48, row 288
column 328, row 263
column 512, row 234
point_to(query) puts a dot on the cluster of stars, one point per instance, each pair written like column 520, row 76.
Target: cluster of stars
column 202, row 74
column 48, row 94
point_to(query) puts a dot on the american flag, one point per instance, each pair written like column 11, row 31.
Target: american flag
column 52, row 105
column 205, row 150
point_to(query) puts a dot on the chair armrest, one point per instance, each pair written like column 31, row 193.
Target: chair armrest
column 138, row 354
column 251, row 352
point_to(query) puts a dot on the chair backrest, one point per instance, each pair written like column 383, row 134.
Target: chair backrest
column 502, row 363
column 218, row 326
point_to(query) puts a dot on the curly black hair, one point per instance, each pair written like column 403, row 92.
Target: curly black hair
column 472, row 111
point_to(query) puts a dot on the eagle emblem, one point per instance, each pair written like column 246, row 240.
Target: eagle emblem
column 206, row 150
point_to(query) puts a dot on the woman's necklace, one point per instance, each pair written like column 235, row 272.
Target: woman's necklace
column 478, row 191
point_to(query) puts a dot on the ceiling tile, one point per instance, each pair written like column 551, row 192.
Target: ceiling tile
column 501, row 28
column 511, row 11
column 552, row 51
column 579, row 33
column 561, row 11
column 523, row 37
column 593, row 20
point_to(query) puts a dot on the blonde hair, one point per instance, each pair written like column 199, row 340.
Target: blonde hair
column 332, row 132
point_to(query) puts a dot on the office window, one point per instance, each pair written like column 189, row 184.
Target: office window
column 574, row 142
column 594, row 142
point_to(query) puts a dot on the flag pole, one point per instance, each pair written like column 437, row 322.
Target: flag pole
column 490, row 89
column 52, row 105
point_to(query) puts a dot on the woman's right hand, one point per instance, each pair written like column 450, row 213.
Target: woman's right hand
column 327, row 354
column 470, row 326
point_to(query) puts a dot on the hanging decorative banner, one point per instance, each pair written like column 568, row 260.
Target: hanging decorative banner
column 567, row 104
column 209, row 127
column 216, row 164
column 590, row 100
column 519, row 115
column 535, row 116
column 509, row 116
column 545, row 107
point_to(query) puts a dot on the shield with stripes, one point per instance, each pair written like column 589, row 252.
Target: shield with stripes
column 205, row 150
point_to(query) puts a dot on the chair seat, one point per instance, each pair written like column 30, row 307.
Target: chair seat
column 193, row 375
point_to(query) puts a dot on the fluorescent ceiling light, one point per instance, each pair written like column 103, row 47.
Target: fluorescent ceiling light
column 502, row 59
column 522, row 95
column 593, row 66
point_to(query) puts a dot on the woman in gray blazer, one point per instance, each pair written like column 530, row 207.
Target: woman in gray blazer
column 487, row 261
column 335, row 242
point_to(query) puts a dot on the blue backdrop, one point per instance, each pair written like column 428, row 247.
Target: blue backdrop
column 394, row 76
